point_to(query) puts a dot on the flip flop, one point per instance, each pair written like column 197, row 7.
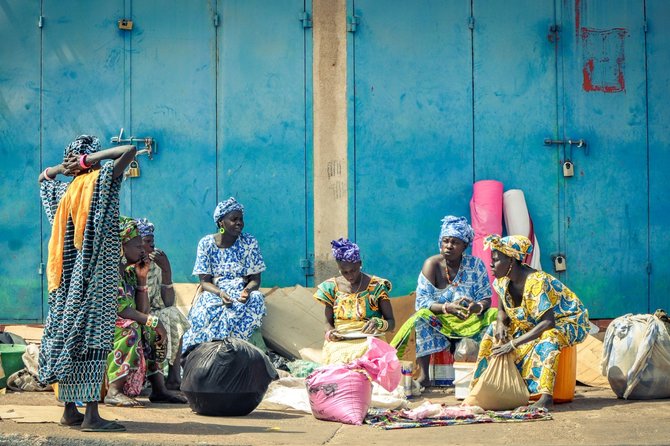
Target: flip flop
column 123, row 402
column 109, row 426
column 168, row 399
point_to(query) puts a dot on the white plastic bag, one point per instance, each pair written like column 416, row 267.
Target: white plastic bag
column 636, row 357
column 466, row 350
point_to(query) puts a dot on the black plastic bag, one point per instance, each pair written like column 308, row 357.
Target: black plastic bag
column 227, row 377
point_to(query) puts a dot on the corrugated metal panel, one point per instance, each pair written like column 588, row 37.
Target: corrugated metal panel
column 20, row 211
column 412, row 131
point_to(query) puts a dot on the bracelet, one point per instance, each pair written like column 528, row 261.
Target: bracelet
column 82, row 162
column 152, row 321
column 384, row 326
column 444, row 308
column 142, row 288
column 46, row 175
column 167, row 285
column 328, row 333
column 512, row 344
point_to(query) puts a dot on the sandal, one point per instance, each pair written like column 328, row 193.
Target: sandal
column 121, row 400
column 108, row 426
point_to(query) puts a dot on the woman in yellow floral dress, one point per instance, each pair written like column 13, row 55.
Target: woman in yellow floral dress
column 356, row 306
column 537, row 317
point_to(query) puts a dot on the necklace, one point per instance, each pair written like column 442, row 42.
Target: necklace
column 450, row 281
column 360, row 283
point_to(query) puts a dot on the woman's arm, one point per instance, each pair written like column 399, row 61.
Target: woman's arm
column 122, row 156
column 547, row 322
column 208, row 285
column 52, row 172
column 253, row 283
column 167, row 290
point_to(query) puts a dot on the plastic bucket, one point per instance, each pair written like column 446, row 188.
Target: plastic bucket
column 463, row 373
column 12, row 361
column 441, row 368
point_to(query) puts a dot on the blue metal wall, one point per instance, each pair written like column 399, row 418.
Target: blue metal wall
column 565, row 69
column 222, row 86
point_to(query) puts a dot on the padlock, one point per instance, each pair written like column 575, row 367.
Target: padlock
column 568, row 169
column 559, row 264
column 125, row 24
column 133, row 169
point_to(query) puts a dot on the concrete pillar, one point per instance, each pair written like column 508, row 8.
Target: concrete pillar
column 330, row 132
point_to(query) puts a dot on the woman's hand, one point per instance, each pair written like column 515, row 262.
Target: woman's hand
column 142, row 269
column 161, row 332
column 370, row 327
column 500, row 333
column 71, row 166
column 333, row 336
column 455, row 309
column 503, row 349
column 244, row 296
column 160, row 258
column 227, row 301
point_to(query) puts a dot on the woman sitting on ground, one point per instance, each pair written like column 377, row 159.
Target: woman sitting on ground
column 453, row 297
column 229, row 264
column 139, row 337
column 162, row 302
column 356, row 304
column 537, row 317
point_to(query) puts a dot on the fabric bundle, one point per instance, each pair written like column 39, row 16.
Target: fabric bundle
column 486, row 209
column 519, row 222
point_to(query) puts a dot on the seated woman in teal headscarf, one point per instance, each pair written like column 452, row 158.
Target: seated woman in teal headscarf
column 453, row 296
column 356, row 306
column 537, row 317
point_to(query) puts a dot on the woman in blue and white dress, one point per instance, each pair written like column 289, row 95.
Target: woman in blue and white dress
column 229, row 264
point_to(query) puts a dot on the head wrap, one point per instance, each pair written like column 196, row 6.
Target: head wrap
column 83, row 145
column 456, row 227
column 226, row 207
column 127, row 229
column 145, row 227
column 344, row 250
column 515, row 246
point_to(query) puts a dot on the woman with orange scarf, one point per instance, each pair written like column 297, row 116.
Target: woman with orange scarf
column 82, row 275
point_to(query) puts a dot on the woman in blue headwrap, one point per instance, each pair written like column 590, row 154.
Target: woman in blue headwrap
column 229, row 264
column 162, row 301
column 356, row 306
column 82, row 275
column 453, row 296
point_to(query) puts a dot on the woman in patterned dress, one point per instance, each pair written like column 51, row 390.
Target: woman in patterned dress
column 537, row 317
column 82, row 275
column 453, row 297
column 162, row 302
column 355, row 303
column 229, row 264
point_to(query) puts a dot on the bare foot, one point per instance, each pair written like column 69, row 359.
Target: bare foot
column 546, row 401
column 71, row 416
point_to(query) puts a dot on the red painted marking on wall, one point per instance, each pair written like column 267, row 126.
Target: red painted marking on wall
column 604, row 58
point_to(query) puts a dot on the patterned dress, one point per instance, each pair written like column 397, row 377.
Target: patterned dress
column 351, row 311
column 209, row 317
column 173, row 320
column 471, row 281
column 79, row 329
column 538, row 360
column 133, row 356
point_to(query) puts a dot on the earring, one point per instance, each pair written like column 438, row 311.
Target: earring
column 222, row 230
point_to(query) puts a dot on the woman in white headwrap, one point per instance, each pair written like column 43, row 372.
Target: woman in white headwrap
column 229, row 264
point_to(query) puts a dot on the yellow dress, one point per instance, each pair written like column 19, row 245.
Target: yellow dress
column 538, row 360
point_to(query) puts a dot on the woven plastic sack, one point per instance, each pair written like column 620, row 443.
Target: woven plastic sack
column 500, row 387
column 338, row 393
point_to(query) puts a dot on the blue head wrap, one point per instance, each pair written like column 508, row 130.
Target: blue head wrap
column 145, row 227
column 456, row 227
column 83, row 145
column 344, row 250
column 226, row 207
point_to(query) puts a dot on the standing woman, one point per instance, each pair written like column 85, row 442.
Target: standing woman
column 229, row 264
column 356, row 304
column 537, row 317
column 82, row 275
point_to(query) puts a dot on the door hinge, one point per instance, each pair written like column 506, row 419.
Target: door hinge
column 40, row 22
column 306, row 20
column 40, row 269
column 648, row 268
column 645, row 28
column 471, row 22
column 215, row 19
column 352, row 23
